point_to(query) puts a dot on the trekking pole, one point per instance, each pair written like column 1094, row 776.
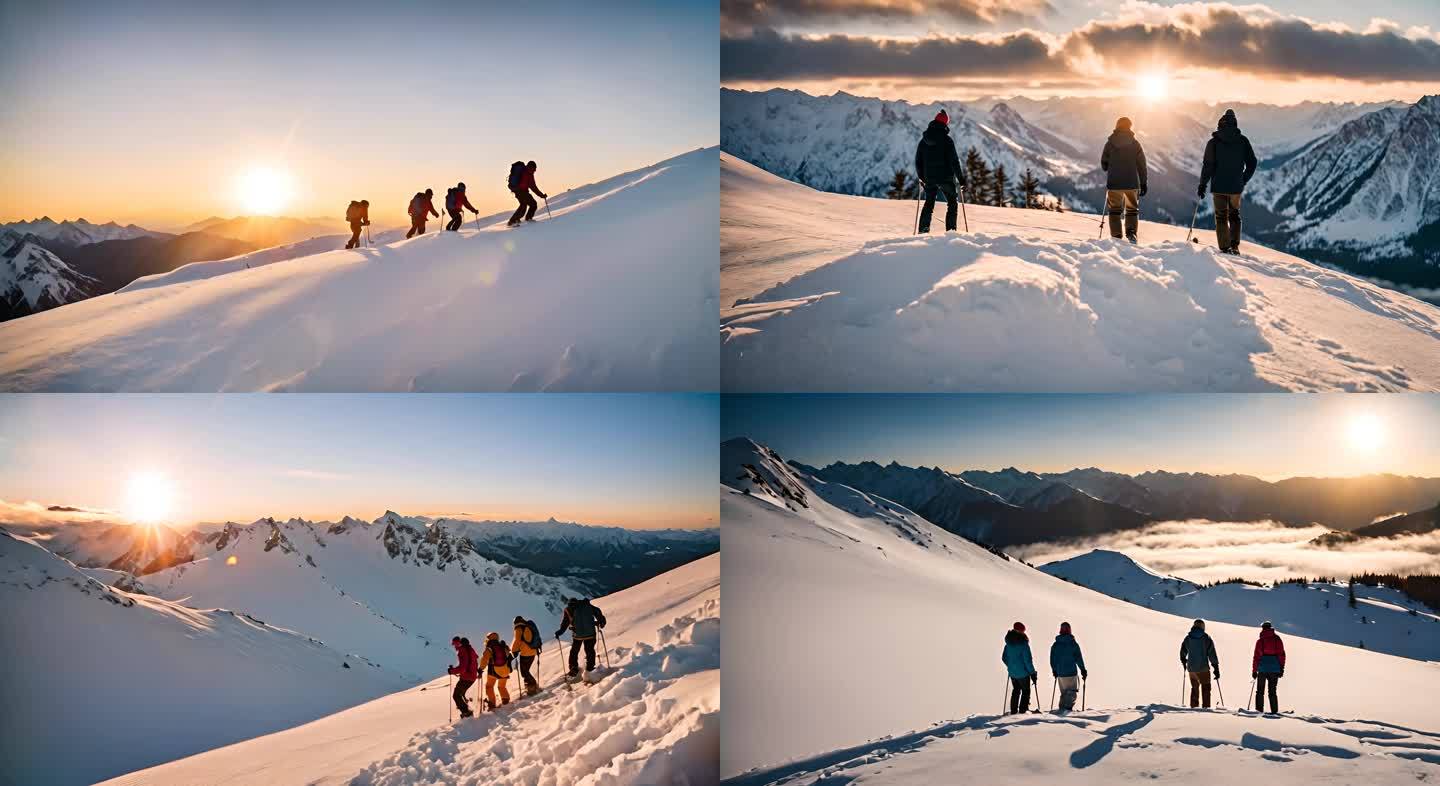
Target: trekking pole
column 1103, row 208
column 962, row 210
column 548, row 214
column 1193, row 214
column 449, row 689
column 917, row 214
column 1054, row 683
column 1220, row 687
column 606, row 646
column 1182, row 686
column 1005, row 696
column 1251, row 692
column 1084, row 682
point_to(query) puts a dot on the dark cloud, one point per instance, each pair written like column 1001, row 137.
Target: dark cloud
column 1258, row 41
column 765, row 54
column 772, row 13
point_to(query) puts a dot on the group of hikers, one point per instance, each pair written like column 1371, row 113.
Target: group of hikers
column 1228, row 165
column 521, row 183
column 583, row 618
column 1197, row 657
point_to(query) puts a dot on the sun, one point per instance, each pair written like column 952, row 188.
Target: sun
column 265, row 190
column 1153, row 87
column 150, row 498
column 1365, row 432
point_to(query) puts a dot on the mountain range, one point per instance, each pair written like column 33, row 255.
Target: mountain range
column 1354, row 185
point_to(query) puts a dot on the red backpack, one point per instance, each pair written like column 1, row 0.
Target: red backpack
column 499, row 654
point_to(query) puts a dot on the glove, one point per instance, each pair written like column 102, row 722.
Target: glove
column 544, row 196
column 1254, row 675
column 1200, row 192
column 1084, row 675
column 450, row 670
column 1144, row 188
column 1035, row 678
column 1281, row 674
column 559, row 633
column 1217, row 674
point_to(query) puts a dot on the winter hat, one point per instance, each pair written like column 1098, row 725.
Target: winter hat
column 454, row 639
column 942, row 118
column 519, row 619
column 365, row 202
column 492, row 636
column 1065, row 628
column 1123, row 124
column 1020, row 626
column 1266, row 625
column 1228, row 119
column 1200, row 624
column 531, row 165
column 429, row 192
column 460, row 187
column 464, row 640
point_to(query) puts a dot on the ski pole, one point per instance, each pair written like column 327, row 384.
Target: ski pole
column 917, row 213
column 1193, row 214
column 1084, row 682
column 606, row 646
column 1252, row 692
column 1182, row 686
column 1101, row 234
column 1220, row 687
column 449, row 690
column 1054, row 683
column 1005, row 696
column 962, row 210
column 548, row 214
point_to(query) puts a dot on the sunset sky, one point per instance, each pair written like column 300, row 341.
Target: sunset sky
column 638, row 461
column 156, row 112
column 1280, row 51
column 1266, row 435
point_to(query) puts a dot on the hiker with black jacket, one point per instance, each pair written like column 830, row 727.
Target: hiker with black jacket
column 1229, row 164
column 938, row 167
column 1126, row 179
column 585, row 620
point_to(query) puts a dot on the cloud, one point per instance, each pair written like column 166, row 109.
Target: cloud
column 33, row 516
column 314, row 474
column 764, row 13
column 1205, row 551
column 1242, row 39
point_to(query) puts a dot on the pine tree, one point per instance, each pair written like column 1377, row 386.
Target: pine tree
column 999, row 186
column 1029, row 190
column 902, row 186
column 977, row 176
column 1352, row 592
column 1059, row 204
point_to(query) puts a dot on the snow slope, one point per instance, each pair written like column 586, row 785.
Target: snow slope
column 654, row 720
column 196, row 271
column 845, row 626
column 831, row 292
column 98, row 681
column 32, row 279
column 617, row 294
column 1381, row 619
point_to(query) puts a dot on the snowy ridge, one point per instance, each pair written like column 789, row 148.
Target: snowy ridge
column 441, row 311
column 33, row 279
column 78, row 232
column 196, row 271
column 1043, row 306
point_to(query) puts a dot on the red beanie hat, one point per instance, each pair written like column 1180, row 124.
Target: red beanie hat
column 1020, row 626
column 943, row 118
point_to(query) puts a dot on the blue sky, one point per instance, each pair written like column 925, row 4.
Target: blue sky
column 1267, row 435
column 632, row 460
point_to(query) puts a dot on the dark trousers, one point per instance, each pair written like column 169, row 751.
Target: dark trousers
column 951, row 205
column 462, row 703
column 1019, row 694
column 526, row 209
column 575, row 654
column 1260, row 682
column 1227, row 221
column 1200, row 688
column 354, row 234
column 417, row 226
column 457, row 217
column 530, row 684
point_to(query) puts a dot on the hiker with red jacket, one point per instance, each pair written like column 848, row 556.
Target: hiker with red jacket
column 496, row 663
column 1268, row 666
column 521, row 183
column 467, row 671
column 421, row 208
column 455, row 204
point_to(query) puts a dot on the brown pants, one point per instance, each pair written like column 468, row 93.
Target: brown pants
column 1200, row 688
column 1127, row 200
column 1227, row 221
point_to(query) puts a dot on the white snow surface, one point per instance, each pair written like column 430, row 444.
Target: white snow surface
column 654, row 719
column 197, row 271
column 618, row 293
column 1381, row 619
column 831, row 292
column 856, row 621
column 98, row 681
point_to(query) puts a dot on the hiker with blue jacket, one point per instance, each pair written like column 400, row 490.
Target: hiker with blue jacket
column 1066, row 663
column 1020, row 666
column 584, row 619
column 1197, row 656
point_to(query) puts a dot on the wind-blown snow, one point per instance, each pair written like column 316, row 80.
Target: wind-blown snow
column 616, row 292
column 655, row 719
column 828, row 292
column 868, row 629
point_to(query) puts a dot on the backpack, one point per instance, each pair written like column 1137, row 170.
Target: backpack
column 416, row 202
column 500, row 654
column 517, row 171
column 450, row 200
column 352, row 213
column 534, row 634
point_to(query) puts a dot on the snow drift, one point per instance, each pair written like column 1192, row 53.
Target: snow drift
column 654, row 719
column 616, row 292
column 872, row 622
column 831, row 292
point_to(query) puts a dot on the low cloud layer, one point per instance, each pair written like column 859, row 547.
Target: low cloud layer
column 1206, row 551
column 30, row 517
column 1244, row 39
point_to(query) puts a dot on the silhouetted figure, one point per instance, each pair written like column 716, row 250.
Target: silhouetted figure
column 522, row 183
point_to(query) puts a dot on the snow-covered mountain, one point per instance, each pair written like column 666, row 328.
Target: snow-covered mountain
column 1383, row 620
column 135, row 680
column 654, row 720
column 78, row 232
column 875, row 637
column 831, row 292
column 616, row 292
column 32, row 279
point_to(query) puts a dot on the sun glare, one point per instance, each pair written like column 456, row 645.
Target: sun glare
column 150, row 498
column 1153, row 87
column 265, row 191
column 1365, row 432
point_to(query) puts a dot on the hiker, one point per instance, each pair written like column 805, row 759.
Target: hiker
column 1126, row 179
column 455, row 204
column 1268, row 666
column 584, row 620
column 467, row 671
column 1198, row 658
column 358, row 215
column 1229, row 165
column 938, row 167
column 521, row 183
column 496, row 663
column 421, row 208
column 526, row 647
column 1020, row 666
column 1065, row 662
